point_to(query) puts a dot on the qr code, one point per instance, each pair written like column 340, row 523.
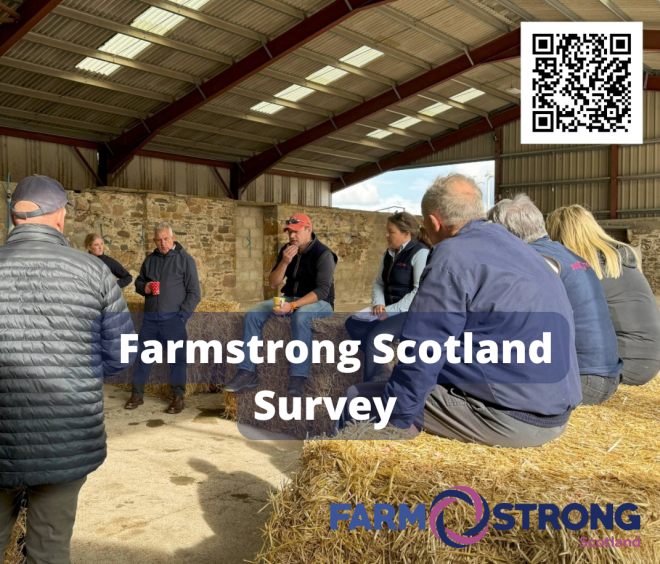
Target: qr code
column 581, row 82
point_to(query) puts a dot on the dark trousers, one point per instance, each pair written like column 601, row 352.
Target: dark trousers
column 50, row 517
column 639, row 371
column 367, row 331
column 451, row 414
column 172, row 329
column 598, row 389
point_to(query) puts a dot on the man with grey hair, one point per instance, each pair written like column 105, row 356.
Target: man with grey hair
column 595, row 338
column 168, row 281
column 481, row 286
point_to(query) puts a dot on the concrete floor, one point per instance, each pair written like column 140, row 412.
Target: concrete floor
column 177, row 488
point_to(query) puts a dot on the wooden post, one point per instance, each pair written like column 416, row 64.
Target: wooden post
column 614, row 180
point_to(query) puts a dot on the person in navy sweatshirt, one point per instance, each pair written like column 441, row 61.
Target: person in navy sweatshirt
column 595, row 338
column 482, row 281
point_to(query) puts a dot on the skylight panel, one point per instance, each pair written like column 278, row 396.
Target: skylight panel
column 192, row 4
column 326, row 75
column 379, row 134
column 405, row 122
column 95, row 65
column 157, row 21
column 124, row 46
column 467, row 95
column 361, row 56
column 435, row 109
column 294, row 93
column 267, row 108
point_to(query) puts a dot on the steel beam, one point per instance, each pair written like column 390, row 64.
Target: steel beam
column 69, row 101
column 396, row 130
column 14, row 113
column 366, row 141
column 481, row 15
column 339, row 154
column 522, row 14
column 453, row 103
column 252, row 117
column 110, row 58
column 423, row 117
column 140, row 34
column 332, row 15
column 48, row 138
column 614, row 180
column 497, row 150
column 73, row 77
column 487, row 89
column 423, row 150
column 30, row 13
column 261, row 163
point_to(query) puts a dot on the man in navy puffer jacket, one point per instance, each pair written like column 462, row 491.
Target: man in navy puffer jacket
column 61, row 320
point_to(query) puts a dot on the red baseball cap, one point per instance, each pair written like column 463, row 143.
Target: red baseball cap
column 297, row 221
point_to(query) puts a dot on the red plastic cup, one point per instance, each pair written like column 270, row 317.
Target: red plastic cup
column 155, row 288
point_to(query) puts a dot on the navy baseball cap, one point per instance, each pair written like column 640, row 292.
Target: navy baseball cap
column 47, row 193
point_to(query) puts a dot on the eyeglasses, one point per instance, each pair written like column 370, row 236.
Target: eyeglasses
column 293, row 221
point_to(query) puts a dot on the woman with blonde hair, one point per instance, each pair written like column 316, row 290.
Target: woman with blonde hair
column 633, row 308
column 94, row 246
column 393, row 290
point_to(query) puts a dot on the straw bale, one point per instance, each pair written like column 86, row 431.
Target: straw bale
column 16, row 545
column 204, row 325
column 325, row 380
column 608, row 454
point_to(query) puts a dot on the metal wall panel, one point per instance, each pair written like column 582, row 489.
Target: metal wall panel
column 288, row 190
column 477, row 149
column 159, row 175
column 24, row 157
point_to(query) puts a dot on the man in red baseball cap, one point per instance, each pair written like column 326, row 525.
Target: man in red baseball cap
column 308, row 267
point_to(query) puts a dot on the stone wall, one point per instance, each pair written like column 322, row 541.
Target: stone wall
column 126, row 218
column 249, row 253
column 645, row 233
column 234, row 244
column 356, row 237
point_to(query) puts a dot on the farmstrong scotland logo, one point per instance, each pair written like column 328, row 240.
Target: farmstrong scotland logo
column 548, row 515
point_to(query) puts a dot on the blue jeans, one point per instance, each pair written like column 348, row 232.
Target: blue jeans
column 301, row 321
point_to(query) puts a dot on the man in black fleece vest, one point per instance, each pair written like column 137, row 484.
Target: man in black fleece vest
column 308, row 266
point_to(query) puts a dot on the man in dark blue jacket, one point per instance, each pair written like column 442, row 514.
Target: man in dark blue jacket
column 595, row 338
column 167, row 307
column 483, row 281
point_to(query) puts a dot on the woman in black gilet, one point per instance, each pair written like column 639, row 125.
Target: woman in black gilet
column 392, row 292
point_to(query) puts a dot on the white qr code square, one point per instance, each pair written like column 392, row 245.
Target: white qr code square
column 581, row 82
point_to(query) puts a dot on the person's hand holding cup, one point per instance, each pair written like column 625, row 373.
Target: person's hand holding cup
column 152, row 288
column 281, row 306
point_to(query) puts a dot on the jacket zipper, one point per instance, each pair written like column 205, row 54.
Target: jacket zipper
column 295, row 272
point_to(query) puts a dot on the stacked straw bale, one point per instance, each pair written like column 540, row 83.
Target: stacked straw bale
column 15, row 546
column 608, row 454
column 325, row 380
column 201, row 378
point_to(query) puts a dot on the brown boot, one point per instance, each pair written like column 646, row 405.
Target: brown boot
column 134, row 402
column 176, row 406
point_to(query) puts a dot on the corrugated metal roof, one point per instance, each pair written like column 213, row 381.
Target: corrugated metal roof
column 255, row 17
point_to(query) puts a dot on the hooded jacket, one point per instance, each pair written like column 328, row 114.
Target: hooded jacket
column 61, row 318
column 179, row 285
